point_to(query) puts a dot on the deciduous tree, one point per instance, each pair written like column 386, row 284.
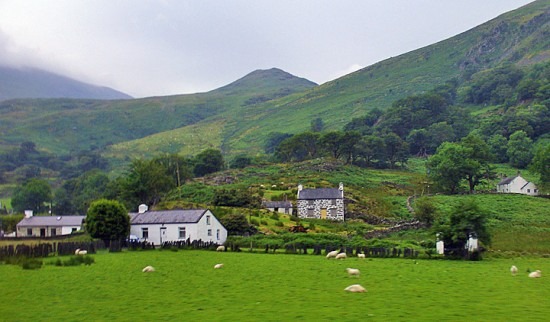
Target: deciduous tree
column 107, row 220
column 32, row 195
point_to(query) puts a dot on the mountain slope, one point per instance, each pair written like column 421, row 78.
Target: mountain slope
column 245, row 112
column 36, row 83
column 521, row 37
column 63, row 125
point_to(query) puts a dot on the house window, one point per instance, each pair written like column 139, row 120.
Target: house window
column 333, row 202
column 209, row 232
column 310, row 212
column 29, row 231
column 145, row 233
column 53, row 232
column 535, row 190
column 528, row 190
column 217, row 234
column 208, row 220
column 73, row 230
column 182, row 232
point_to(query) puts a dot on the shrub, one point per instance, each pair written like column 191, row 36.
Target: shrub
column 279, row 224
column 275, row 216
column 263, row 222
column 254, row 221
column 79, row 260
column 31, row 263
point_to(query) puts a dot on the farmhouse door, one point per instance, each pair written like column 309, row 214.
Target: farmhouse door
column 323, row 213
column 162, row 235
column 42, row 232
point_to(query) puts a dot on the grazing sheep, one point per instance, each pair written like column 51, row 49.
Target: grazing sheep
column 148, row 269
column 355, row 288
column 81, row 252
column 535, row 274
column 220, row 248
column 332, row 254
column 76, row 251
column 513, row 270
column 341, row 256
column 361, row 255
column 353, row 272
column 218, row 266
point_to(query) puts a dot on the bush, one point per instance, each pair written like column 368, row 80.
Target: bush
column 79, row 260
column 263, row 222
column 254, row 221
column 279, row 224
column 31, row 263
column 275, row 216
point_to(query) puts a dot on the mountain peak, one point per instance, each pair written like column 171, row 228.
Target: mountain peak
column 269, row 78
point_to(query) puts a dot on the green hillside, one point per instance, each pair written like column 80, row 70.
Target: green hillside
column 67, row 125
column 517, row 37
column 238, row 117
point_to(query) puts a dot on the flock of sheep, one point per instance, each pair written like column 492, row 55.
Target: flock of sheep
column 336, row 254
column 535, row 274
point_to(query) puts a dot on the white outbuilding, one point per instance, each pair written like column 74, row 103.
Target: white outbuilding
column 176, row 225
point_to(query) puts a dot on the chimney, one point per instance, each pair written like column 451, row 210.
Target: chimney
column 142, row 208
column 28, row 213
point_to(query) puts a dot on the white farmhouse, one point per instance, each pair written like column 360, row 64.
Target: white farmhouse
column 48, row 226
column 517, row 185
column 176, row 225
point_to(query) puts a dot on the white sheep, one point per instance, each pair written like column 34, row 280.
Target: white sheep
column 353, row 271
column 341, row 256
column 355, row 288
column 218, row 266
column 81, row 252
column 535, row 274
column 76, row 251
column 513, row 270
column 148, row 269
column 361, row 255
column 220, row 248
column 332, row 254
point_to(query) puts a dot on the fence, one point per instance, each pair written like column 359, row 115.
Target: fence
column 68, row 248
column 49, row 249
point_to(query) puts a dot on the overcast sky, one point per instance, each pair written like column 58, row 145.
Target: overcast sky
column 164, row 47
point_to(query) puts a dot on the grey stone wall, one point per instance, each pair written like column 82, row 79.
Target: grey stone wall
column 334, row 207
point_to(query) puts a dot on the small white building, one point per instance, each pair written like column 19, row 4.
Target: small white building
column 48, row 226
column 176, row 225
column 517, row 184
column 283, row 207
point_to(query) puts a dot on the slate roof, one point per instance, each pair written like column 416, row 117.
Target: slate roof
column 51, row 221
column 167, row 216
column 507, row 180
column 278, row 204
column 320, row 193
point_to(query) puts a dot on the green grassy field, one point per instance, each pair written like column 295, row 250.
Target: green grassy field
column 267, row 287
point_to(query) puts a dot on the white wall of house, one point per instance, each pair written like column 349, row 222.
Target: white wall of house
column 207, row 229
column 519, row 185
column 67, row 230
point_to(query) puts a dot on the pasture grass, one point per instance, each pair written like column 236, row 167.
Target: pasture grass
column 273, row 287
